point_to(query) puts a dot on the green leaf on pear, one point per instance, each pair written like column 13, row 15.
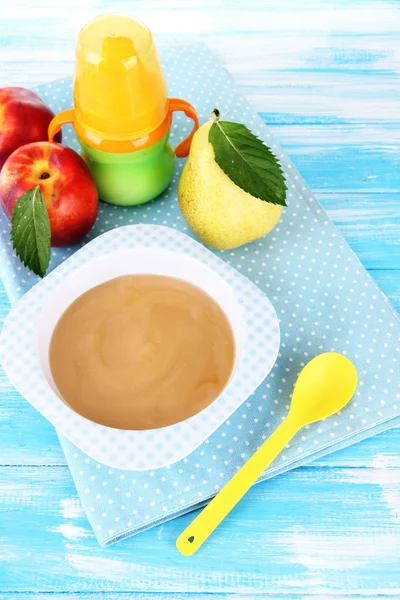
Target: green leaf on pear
column 247, row 161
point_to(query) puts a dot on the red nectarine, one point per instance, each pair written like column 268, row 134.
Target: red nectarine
column 24, row 118
column 67, row 186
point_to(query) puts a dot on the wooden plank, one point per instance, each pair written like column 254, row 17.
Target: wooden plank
column 306, row 532
column 344, row 158
column 284, row 57
column 389, row 282
column 177, row 596
column 370, row 223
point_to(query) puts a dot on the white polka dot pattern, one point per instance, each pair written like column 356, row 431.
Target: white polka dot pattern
column 324, row 298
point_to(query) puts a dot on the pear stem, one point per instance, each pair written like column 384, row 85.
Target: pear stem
column 215, row 115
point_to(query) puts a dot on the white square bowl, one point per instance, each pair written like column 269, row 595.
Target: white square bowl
column 134, row 249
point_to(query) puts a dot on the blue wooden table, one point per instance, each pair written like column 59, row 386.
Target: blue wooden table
column 325, row 76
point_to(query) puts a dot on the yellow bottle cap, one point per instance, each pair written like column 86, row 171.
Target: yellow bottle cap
column 120, row 91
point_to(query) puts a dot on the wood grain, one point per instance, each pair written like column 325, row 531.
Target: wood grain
column 334, row 58
column 304, row 532
column 178, row 596
column 325, row 76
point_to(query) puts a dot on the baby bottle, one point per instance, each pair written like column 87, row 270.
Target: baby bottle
column 122, row 114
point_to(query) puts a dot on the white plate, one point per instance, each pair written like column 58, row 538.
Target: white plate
column 138, row 249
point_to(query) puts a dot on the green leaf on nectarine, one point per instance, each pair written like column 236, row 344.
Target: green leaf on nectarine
column 30, row 231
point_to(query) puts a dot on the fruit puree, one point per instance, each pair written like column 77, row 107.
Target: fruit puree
column 142, row 352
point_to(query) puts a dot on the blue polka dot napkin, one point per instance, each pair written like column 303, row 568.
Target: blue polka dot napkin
column 324, row 298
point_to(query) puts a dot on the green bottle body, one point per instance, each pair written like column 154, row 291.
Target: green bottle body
column 131, row 178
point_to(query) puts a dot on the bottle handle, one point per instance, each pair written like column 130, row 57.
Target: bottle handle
column 176, row 104
column 64, row 117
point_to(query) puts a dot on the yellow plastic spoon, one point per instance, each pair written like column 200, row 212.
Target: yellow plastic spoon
column 324, row 386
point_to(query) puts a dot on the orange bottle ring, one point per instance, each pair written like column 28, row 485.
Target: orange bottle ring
column 124, row 146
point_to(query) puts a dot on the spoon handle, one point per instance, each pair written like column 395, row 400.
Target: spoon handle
column 211, row 516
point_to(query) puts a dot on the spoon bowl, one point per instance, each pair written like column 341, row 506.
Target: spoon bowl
column 324, row 386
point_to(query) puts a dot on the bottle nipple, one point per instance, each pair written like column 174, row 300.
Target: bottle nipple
column 117, row 50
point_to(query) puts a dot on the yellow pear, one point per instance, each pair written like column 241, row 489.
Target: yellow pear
column 219, row 212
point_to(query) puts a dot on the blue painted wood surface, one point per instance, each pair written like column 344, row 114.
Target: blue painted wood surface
column 325, row 76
